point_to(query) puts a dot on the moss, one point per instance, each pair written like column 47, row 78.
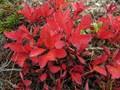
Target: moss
column 11, row 20
column 8, row 15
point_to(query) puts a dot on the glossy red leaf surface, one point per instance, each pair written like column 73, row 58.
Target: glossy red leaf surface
column 36, row 51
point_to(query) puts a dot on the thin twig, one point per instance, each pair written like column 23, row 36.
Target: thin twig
column 94, row 48
column 10, row 83
column 13, row 69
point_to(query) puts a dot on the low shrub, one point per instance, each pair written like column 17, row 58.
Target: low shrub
column 59, row 48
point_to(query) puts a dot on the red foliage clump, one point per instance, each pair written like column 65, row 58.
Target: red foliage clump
column 53, row 47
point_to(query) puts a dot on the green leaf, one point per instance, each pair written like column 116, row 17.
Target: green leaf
column 97, row 26
column 88, row 31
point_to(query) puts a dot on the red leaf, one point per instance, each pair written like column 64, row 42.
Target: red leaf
column 109, row 28
column 31, row 14
column 100, row 70
column 79, row 7
column 28, row 48
column 85, row 22
column 35, row 60
column 80, row 41
column 59, row 44
column 50, row 56
column 115, row 53
column 86, row 86
column 64, row 67
column 76, row 77
column 62, row 18
column 45, row 34
column 43, row 77
column 76, row 73
column 117, row 88
column 58, row 85
column 19, row 58
column 27, row 12
column 15, row 35
column 25, row 69
column 16, row 47
column 114, row 71
column 27, row 82
column 52, row 25
column 45, row 10
column 42, row 61
column 36, row 30
column 54, row 69
column 20, row 34
column 20, row 86
column 36, row 51
column 116, row 57
column 107, row 50
column 59, row 2
column 100, row 60
column 23, row 29
column 47, row 39
column 59, row 53
column 45, row 87
column 81, row 59
column 78, row 68
column 105, row 33
column 11, row 35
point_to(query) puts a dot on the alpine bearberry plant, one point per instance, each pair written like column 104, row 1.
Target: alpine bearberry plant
column 59, row 48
